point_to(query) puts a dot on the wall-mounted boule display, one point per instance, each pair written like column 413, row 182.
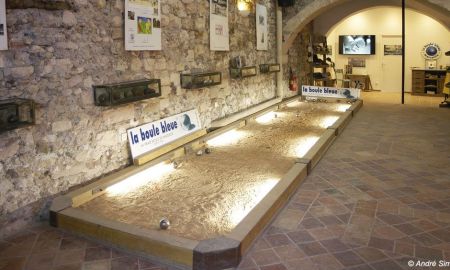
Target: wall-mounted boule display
column 269, row 68
column 16, row 113
column 243, row 72
column 200, row 79
column 125, row 92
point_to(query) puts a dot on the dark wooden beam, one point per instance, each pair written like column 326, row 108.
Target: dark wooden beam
column 403, row 51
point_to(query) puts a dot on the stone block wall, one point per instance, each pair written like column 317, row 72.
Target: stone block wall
column 55, row 57
column 298, row 61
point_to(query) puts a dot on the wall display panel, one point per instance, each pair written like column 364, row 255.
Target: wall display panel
column 3, row 32
column 142, row 25
column 392, row 49
column 261, row 28
column 218, row 21
column 357, row 62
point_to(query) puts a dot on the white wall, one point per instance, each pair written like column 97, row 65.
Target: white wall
column 379, row 21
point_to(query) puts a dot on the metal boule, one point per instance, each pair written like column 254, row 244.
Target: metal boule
column 164, row 224
column 176, row 165
column 208, row 150
column 199, row 152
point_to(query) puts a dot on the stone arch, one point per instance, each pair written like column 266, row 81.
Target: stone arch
column 437, row 9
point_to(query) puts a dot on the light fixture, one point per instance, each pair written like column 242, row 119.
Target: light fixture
column 230, row 137
column 152, row 175
column 255, row 193
column 244, row 7
column 266, row 118
column 328, row 121
column 303, row 145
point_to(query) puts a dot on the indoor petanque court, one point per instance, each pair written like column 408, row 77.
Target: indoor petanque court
column 224, row 134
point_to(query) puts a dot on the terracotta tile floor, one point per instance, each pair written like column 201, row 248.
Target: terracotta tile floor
column 379, row 198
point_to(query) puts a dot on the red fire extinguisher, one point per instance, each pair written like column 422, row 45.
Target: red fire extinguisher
column 293, row 84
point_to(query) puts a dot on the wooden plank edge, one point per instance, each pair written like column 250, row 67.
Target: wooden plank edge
column 244, row 114
column 320, row 147
column 342, row 122
column 144, row 158
column 356, row 106
column 169, row 249
column 263, row 213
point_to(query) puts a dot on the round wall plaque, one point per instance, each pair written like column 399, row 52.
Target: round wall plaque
column 431, row 51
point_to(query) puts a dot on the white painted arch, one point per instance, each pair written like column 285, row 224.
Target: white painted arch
column 336, row 10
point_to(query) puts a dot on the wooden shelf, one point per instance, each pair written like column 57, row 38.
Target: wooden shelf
column 421, row 81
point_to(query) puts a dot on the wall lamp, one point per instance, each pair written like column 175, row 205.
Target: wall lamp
column 244, row 7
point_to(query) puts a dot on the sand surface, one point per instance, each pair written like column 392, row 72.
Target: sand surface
column 209, row 195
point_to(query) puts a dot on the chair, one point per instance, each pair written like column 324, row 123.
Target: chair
column 340, row 80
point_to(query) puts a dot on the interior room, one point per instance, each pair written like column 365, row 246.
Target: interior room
column 224, row 134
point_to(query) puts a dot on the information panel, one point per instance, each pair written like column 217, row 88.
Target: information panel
column 261, row 28
column 330, row 92
column 3, row 32
column 148, row 137
column 218, row 25
column 142, row 25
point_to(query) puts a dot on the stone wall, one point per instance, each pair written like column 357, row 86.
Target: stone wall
column 56, row 56
column 298, row 61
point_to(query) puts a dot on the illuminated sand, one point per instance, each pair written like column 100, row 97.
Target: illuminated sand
column 210, row 194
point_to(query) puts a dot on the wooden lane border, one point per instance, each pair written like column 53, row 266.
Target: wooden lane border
column 226, row 251
column 161, row 246
column 342, row 122
column 356, row 107
column 313, row 156
column 144, row 158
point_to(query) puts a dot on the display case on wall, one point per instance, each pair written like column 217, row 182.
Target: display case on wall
column 16, row 113
column 269, row 68
column 200, row 79
column 126, row 92
column 243, row 72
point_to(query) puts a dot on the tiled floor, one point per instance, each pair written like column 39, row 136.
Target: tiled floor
column 379, row 198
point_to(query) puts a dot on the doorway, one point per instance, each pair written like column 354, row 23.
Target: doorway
column 391, row 64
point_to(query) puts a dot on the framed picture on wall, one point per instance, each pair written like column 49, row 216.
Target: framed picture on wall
column 142, row 25
column 357, row 62
column 329, row 50
column 261, row 28
column 218, row 26
column 3, row 32
column 392, row 49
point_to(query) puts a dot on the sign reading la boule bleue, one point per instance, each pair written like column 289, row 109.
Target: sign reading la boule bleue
column 330, row 92
column 150, row 136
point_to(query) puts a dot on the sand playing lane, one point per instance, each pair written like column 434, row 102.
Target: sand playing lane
column 210, row 194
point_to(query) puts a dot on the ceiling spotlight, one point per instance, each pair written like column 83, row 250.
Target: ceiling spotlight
column 244, row 7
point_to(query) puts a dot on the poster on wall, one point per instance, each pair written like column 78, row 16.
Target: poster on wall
column 218, row 26
column 261, row 28
column 357, row 62
column 392, row 49
column 142, row 25
column 3, row 32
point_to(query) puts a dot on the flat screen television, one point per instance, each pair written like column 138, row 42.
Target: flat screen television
column 357, row 44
